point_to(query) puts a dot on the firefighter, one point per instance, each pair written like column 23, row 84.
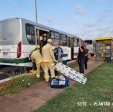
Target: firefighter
column 33, row 62
column 58, row 52
column 37, row 57
column 48, row 59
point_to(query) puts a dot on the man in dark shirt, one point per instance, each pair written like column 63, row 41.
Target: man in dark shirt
column 81, row 57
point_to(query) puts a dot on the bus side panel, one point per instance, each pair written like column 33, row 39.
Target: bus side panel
column 65, row 52
column 26, row 49
column 69, row 53
column 75, row 52
column 8, row 51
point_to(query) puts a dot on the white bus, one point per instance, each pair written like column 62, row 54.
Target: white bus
column 19, row 36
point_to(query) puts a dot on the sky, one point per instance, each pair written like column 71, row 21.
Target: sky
column 84, row 18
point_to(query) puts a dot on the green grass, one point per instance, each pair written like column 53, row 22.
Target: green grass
column 13, row 73
column 18, row 83
column 73, row 65
column 99, row 88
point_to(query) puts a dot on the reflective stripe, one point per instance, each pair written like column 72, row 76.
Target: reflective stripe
column 52, row 76
column 47, row 60
column 37, row 75
column 46, row 76
column 39, row 61
column 34, row 53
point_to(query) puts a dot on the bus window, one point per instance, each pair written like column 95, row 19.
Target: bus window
column 88, row 41
column 63, row 40
column 55, row 36
column 52, row 35
column 30, row 34
column 8, row 31
column 71, row 42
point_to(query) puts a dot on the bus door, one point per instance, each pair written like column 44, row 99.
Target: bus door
column 70, row 48
column 41, row 36
column 75, row 47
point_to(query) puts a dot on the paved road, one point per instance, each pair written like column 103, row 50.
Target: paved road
column 35, row 96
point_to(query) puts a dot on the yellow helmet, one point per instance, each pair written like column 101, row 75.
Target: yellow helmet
column 37, row 47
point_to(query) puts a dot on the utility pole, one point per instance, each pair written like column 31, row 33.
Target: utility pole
column 36, row 11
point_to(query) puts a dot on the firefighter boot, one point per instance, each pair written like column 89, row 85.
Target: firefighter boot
column 46, row 78
column 37, row 76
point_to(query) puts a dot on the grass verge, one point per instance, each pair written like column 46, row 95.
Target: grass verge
column 73, row 65
column 22, row 81
column 97, row 91
column 18, row 83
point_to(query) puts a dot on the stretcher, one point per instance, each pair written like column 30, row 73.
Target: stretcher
column 70, row 73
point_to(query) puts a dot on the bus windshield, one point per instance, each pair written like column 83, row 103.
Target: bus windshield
column 9, row 31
